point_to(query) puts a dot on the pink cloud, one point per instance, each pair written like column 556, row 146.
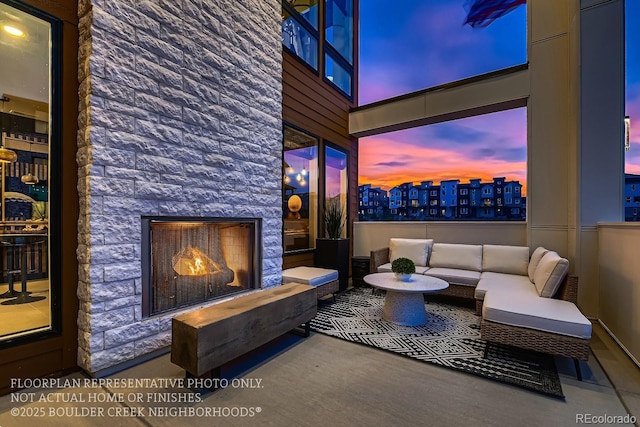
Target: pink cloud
column 387, row 162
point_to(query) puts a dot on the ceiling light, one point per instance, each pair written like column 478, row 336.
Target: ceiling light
column 13, row 30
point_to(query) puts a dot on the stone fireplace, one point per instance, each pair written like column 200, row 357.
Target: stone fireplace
column 187, row 261
column 180, row 118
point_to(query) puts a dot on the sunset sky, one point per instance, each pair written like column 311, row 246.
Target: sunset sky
column 424, row 44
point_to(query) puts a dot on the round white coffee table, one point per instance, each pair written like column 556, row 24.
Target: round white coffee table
column 404, row 302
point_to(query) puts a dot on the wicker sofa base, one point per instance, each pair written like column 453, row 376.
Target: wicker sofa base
column 530, row 339
column 460, row 291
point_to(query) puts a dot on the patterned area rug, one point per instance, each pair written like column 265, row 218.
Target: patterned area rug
column 450, row 338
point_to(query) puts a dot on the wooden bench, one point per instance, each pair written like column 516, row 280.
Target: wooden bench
column 204, row 339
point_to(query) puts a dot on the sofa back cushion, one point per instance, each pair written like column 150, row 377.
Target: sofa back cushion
column 549, row 274
column 536, row 256
column 417, row 250
column 453, row 255
column 505, row 259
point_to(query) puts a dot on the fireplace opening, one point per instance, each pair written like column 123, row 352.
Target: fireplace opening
column 187, row 261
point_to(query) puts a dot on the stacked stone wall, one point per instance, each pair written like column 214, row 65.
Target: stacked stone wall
column 180, row 115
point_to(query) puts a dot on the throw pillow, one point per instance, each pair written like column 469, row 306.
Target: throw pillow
column 505, row 259
column 549, row 274
column 417, row 250
column 536, row 256
column 454, row 255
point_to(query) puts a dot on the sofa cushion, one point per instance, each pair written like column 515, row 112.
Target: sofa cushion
column 313, row 276
column 417, row 250
column 386, row 268
column 501, row 282
column 457, row 256
column 505, row 259
column 549, row 274
column 455, row 276
column 536, row 256
column 542, row 314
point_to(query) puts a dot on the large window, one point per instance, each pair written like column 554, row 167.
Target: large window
column 436, row 159
column 632, row 110
column 25, row 90
column 300, row 29
column 300, row 190
column 336, row 178
column 338, row 45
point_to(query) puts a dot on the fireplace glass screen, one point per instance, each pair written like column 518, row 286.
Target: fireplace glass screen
column 187, row 261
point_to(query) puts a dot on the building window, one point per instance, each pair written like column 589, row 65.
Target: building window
column 628, row 199
column 28, row 82
column 464, row 192
column 338, row 46
column 339, row 27
column 300, row 190
column 300, row 30
column 336, row 178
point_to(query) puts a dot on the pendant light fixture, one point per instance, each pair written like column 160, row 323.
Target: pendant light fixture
column 7, row 155
column 29, row 179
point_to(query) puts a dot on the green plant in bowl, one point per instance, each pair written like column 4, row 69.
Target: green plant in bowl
column 403, row 268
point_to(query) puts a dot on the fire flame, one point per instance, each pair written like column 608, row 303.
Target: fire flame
column 190, row 261
column 197, row 268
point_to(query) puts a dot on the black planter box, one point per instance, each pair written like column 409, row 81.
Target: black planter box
column 334, row 254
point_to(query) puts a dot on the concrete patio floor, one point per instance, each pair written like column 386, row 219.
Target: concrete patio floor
column 326, row 381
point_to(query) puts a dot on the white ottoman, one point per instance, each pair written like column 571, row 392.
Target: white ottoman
column 324, row 279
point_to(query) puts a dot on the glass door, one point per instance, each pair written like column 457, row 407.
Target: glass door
column 25, row 99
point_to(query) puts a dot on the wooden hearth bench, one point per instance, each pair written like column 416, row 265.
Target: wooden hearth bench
column 206, row 338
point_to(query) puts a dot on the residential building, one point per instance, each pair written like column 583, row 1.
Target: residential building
column 373, row 202
column 452, row 200
column 631, row 197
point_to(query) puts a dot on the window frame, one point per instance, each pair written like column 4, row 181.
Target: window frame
column 323, row 181
column 300, row 20
column 54, row 187
column 319, row 183
column 329, row 51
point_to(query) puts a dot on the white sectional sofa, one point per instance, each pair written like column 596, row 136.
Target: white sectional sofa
column 525, row 301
